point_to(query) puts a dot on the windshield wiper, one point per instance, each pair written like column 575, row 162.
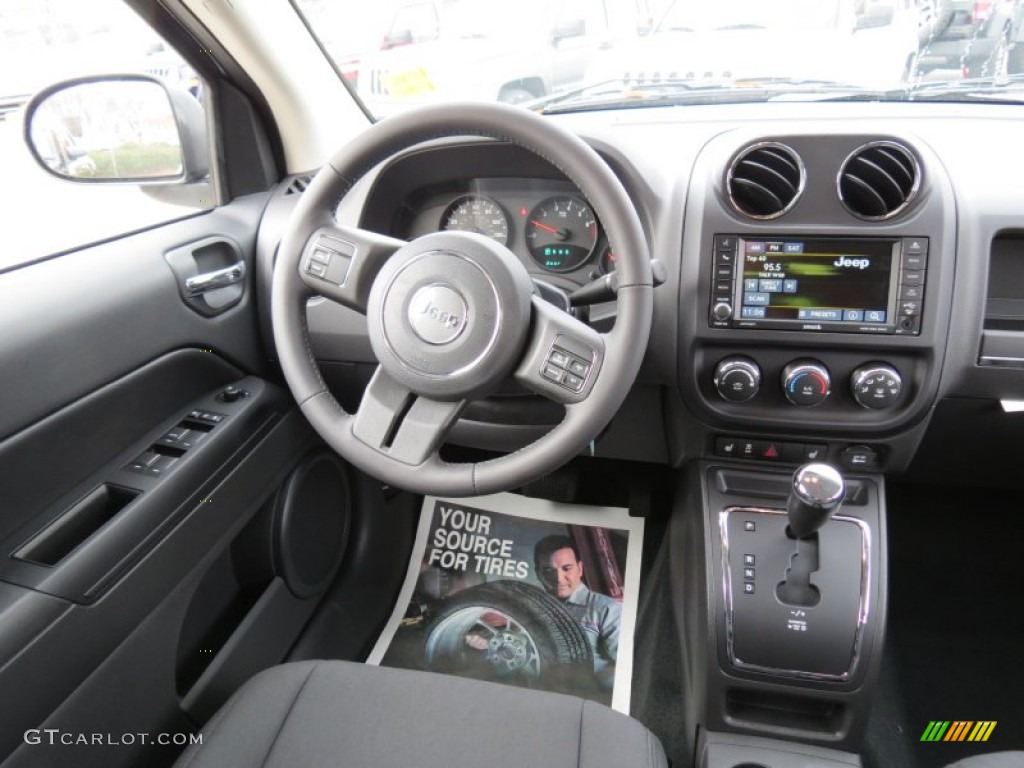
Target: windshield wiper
column 997, row 87
column 647, row 92
column 1002, row 88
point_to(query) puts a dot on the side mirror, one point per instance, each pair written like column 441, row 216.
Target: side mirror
column 128, row 129
column 875, row 15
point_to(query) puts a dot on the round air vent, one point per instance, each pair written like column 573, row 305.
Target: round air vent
column 879, row 180
column 765, row 180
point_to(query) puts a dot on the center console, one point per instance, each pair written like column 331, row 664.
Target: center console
column 785, row 639
column 815, row 281
column 812, row 326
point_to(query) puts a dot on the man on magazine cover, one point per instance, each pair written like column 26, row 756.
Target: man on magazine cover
column 560, row 570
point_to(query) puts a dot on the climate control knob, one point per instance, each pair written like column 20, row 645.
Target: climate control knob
column 876, row 385
column 737, row 379
column 806, row 382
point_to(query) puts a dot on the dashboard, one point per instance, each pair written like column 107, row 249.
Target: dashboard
column 836, row 276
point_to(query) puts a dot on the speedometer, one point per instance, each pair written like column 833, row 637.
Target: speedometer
column 561, row 233
column 475, row 213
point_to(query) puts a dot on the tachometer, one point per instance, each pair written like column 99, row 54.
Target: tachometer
column 474, row 213
column 561, row 233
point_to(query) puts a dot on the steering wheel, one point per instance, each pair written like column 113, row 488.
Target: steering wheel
column 452, row 315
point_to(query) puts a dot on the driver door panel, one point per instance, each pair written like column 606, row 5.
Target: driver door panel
column 102, row 358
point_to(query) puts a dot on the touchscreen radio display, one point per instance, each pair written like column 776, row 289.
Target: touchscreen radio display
column 811, row 281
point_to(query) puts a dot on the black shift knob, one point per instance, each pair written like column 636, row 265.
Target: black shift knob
column 816, row 493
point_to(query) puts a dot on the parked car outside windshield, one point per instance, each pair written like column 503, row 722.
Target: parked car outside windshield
column 423, row 51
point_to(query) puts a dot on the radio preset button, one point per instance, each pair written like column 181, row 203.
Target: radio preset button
column 806, row 383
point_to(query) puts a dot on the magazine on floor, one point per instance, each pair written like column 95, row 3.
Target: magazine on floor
column 521, row 591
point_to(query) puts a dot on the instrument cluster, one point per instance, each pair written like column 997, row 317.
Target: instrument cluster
column 547, row 223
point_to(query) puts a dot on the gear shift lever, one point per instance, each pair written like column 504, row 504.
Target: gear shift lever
column 816, row 492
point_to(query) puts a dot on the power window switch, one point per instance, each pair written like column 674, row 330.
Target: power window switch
column 148, row 459
column 174, row 435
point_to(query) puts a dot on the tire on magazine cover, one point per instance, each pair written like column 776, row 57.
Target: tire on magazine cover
column 565, row 658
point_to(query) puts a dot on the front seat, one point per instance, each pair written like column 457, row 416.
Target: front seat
column 338, row 713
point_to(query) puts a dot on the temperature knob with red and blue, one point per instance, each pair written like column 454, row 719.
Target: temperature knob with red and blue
column 806, row 382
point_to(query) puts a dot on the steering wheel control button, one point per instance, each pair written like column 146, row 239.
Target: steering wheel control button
column 876, row 386
column 806, row 383
column 575, row 383
column 316, row 268
column 553, row 373
column 565, row 368
column 438, row 314
column 329, row 259
column 559, row 358
column 737, row 379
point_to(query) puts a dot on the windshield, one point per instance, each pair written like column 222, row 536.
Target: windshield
column 685, row 16
column 554, row 55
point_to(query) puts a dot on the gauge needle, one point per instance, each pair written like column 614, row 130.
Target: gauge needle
column 561, row 234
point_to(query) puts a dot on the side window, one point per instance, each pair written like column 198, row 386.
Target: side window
column 43, row 43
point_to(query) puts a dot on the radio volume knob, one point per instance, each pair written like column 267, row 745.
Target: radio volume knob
column 806, row 382
column 876, row 386
column 721, row 311
column 737, row 379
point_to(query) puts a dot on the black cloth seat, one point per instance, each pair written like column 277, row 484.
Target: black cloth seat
column 335, row 713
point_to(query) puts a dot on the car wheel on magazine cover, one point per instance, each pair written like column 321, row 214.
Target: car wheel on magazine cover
column 509, row 632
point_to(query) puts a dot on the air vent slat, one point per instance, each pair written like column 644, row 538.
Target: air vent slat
column 767, row 177
column 879, row 180
column 861, row 194
column 884, row 184
column 898, row 167
column 765, row 181
column 758, row 199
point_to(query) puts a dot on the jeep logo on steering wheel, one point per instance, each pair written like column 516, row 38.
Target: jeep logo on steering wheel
column 437, row 314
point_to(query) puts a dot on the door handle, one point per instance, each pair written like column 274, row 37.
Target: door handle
column 211, row 281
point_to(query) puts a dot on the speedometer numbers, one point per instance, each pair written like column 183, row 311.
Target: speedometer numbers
column 561, row 233
column 475, row 213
